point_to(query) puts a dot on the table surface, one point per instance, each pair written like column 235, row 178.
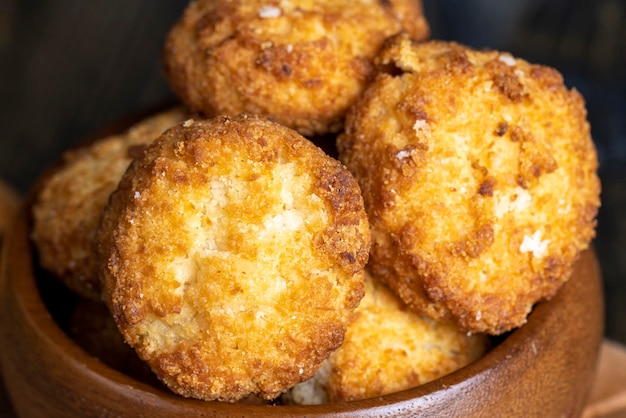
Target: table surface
column 70, row 67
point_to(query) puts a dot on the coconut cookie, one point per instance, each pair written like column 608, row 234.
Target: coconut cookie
column 232, row 257
column 479, row 177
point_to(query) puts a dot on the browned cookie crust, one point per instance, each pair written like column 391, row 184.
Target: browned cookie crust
column 299, row 62
column 232, row 257
column 479, row 176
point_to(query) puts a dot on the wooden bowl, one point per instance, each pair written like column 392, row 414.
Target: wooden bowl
column 545, row 368
column 541, row 369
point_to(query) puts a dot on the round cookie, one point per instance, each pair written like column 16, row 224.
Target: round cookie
column 300, row 62
column 479, row 176
column 232, row 257
column 387, row 349
column 70, row 201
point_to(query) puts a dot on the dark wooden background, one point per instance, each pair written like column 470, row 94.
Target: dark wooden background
column 69, row 67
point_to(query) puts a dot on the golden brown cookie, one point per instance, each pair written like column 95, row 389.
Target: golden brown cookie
column 299, row 62
column 70, row 202
column 388, row 348
column 479, row 177
column 232, row 257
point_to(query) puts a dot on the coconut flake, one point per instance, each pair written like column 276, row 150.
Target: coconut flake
column 507, row 59
column 403, row 154
column 268, row 12
column 420, row 126
column 534, row 244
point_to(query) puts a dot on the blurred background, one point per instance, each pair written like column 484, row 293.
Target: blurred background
column 68, row 67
